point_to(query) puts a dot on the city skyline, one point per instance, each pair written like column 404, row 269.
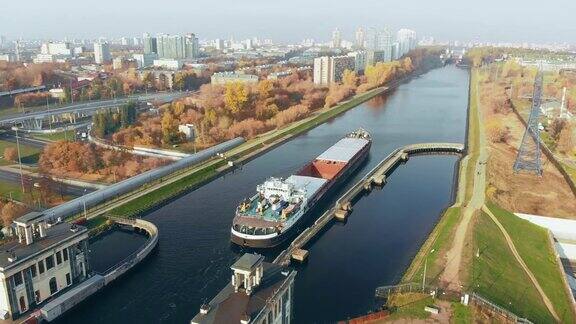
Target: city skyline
column 489, row 23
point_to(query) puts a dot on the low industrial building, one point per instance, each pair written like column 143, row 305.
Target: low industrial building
column 228, row 77
column 170, row 64
column 187, row 130
column 259, row 292
column 43, row 260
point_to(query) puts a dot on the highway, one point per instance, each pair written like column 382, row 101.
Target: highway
column 23, row 139
column 66, row 189
column 89, row 106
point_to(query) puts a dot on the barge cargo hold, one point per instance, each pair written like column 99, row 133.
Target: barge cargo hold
column 273, row 214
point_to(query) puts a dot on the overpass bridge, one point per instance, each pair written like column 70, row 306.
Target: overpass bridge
column 35, row 120
column 376, row 176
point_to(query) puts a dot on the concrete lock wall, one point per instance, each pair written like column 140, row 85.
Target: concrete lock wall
column 137, row 257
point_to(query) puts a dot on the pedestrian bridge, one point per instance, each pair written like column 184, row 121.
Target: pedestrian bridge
column 376, row 176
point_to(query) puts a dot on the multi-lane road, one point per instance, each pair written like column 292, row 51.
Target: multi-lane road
column 88, row 107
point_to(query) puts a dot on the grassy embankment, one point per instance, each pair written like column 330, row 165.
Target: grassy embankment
column 211, row 169
column 28, row 154
column 69, row 134
column 496, row 275
column 540, row 256
column 440, row 239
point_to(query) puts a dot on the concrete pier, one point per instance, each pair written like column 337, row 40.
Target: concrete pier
column 376, row 176
column 300, row 255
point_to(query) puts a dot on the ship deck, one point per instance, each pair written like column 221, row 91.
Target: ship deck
column 311, row 184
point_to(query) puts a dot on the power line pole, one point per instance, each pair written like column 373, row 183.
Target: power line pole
column 19, row 161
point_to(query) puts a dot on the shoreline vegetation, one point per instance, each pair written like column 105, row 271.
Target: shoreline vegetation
column 487, row 263
column 199, row 175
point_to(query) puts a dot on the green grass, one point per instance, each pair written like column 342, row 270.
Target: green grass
column 69, row 134
column 548, row 140
column 570, row 170
column 7, row 187
column 497, row 276
column 461, row 314
column 28, row 154
column 439, row 241
column 133, row 208
column 409, row 305
column 534, row 247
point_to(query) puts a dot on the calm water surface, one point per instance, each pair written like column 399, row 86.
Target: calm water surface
column 348, row 261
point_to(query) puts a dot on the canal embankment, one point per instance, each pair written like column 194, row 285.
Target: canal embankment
column 235, row 158
column 383, row 232
column 178, row 183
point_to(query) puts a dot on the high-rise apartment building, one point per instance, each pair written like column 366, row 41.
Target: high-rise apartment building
column 406, row 41
column 379, row 41
column 328, row 70
column 336, row 38
column 360, row 38
column 192, row 46
column 102, row 53
column 219, row 44
column 150, row 44
column 359, row 60
column 177, row 47
column 62, row 49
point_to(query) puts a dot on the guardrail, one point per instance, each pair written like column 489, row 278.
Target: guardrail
column 483, row 302
column 386, row 291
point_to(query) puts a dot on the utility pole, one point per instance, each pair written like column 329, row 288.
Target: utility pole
column 425, row 266
column 84, row 202
column 19, row 161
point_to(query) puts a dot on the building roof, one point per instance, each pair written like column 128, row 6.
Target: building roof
column 27, row 218
column 230, row 307
column 344, row 150
column 310, row 184
column 55, row 236
column 247, row 262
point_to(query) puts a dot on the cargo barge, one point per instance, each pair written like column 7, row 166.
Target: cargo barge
column 273, row 214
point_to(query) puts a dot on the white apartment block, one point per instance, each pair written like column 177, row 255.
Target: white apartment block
column 328, row 70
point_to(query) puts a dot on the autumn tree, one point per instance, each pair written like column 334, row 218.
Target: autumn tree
column 566, row 141
column 350, row 79
column 169, row 128
column 236, row 97
column 10, row 211
column 11, row 154
column 497, row 133
column 556, row 127
column 265, row 88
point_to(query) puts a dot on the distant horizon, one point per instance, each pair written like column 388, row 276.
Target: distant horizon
column 445, row 20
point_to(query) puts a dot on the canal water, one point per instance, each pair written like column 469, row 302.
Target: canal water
column 348, row 261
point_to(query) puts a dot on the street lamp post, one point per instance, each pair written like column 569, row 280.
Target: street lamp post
column 19, row 161
column 84, row 203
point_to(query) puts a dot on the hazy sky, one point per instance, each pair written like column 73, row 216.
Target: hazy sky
column 292, row 20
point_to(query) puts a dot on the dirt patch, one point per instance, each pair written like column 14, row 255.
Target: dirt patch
column 547, row 195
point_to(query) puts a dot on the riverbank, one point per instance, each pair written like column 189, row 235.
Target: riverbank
column 238, row 156
column 246, row 152
column 470, row 252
